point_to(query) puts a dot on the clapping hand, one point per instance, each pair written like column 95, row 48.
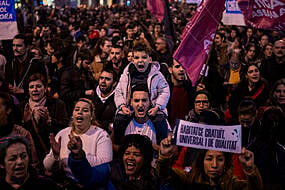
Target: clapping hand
column 41, row 112
column 75, row 146
column 55, row 146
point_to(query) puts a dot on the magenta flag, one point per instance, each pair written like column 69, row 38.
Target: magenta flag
column 156, row 7
column 197, row 37
column 262, row 14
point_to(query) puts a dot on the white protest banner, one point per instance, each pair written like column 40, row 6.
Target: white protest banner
column 8, row 23
column 212, row 137
column 233, row 15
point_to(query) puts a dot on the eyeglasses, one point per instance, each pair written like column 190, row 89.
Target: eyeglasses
column 201, row 102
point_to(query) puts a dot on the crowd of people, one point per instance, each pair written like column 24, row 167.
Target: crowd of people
column 89, row 99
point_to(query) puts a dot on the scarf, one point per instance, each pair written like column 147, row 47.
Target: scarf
column 33, row 104
column 30, row 107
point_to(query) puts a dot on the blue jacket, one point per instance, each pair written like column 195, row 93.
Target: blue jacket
column 96, row 177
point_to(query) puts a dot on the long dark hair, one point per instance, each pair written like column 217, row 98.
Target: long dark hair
column 198, row 175
column 272, row 101
column 272, row 126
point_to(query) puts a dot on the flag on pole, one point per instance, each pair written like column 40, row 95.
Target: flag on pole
column 261, row 14
column 156, row 7
column 198, row 36
column 160, row 9
column 168, row 27
column 8, row 23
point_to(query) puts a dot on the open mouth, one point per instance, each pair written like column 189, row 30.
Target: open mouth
column 102, row 85
column 19, row 170
column 141, row 66
column 79, row 119
column 181, row 75
column 130, row 165
column 141, row 111
column 35, row 93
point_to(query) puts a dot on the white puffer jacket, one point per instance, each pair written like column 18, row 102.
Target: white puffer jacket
column 157, row 87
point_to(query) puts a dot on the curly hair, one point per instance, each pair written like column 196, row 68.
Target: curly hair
column 144, row 144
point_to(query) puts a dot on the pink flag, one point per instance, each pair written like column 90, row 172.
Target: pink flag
column 156, row 7
column 197, row 37
column 262, row 14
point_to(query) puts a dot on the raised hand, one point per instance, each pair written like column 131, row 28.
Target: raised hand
column 166, row 148
column 55, row 146
column 247, row 159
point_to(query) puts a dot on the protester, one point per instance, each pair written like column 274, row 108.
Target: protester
column 96, row 141
column 142, row 71
column 247, row 117
column 181, row 95
column 253, row 86
column 101, row 54
column 76, row 80
column 22, row 67
column 274, row 69
column 103, row 98
column 131, row 171
column 8, row 128
column 117, row 59
column 277, row 94
column 15, row 163
column 267, row 51
column 62, row 33
column 269, row 149
column 202, row 101
column 212, row 169
column 250, row 54
column 41, row 114
column 141, row 123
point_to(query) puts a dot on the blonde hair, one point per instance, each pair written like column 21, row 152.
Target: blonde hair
column 92, row 110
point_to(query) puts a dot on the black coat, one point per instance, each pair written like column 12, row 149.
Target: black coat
column 73, row 84
column 104, row 112
column 59, row 120
column 259, row 95
column 14, row 75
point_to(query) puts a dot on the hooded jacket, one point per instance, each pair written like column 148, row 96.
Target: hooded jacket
column 156, row 83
